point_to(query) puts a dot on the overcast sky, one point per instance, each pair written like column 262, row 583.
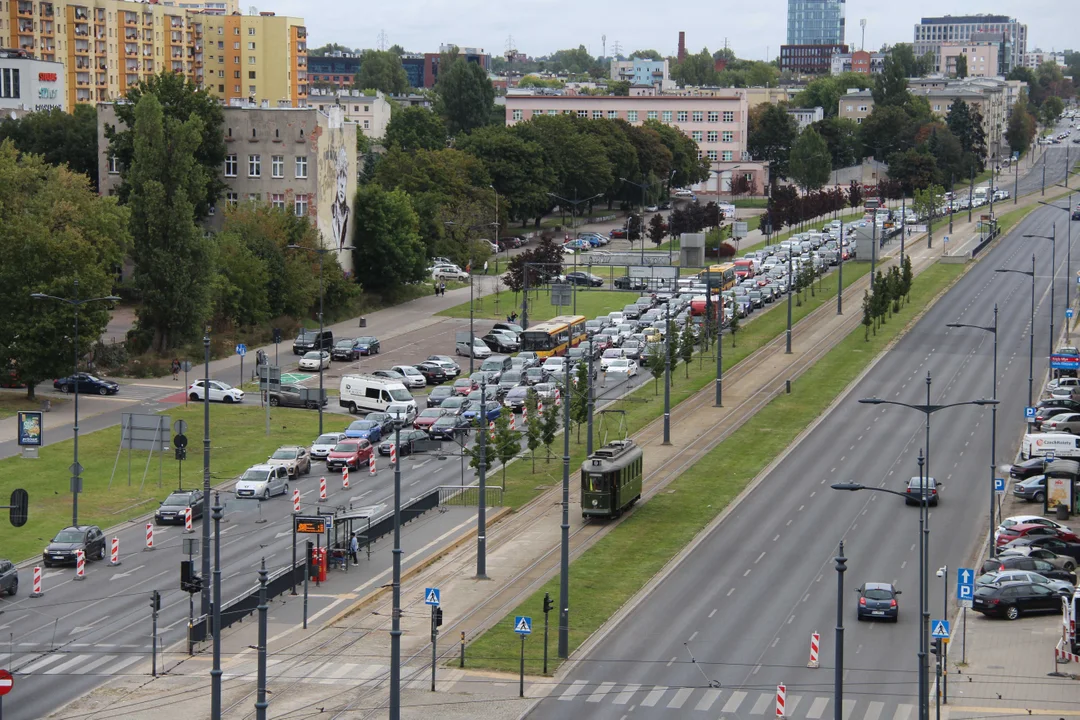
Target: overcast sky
column 755, row 30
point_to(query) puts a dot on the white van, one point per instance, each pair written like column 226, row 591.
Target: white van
column 1061, row 445
column 370, row 393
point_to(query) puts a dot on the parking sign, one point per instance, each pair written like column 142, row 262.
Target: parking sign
column 999, row 486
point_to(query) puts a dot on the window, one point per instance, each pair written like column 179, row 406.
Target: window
column 711, row 154
column 695, row 136
column 254, row 165
column 251, row 46
column 251, row 31
column 251, row 90
column 651, row 115
column 254, row 197
column 937, row 108
column 858, row 121
column 612, row 114
column 582, row 113
column 729, row 116
column 726, row 156
column 230, row 198
column 597, row 114
column 683, row 116
column 849, row 108
column 277, row 200
column 862, row 108
column 516, row 114
column 727, row 136
column 552, row 112
column 714, row 116
column 236, row 45
column 277, row 166
column 230, row 165
column 251, row 74
column 711, row 136
column 301, row 166
column 698, row 116
column 666, row 116
column 631, row 116
column 251, row 59
column 9, row 83
column 114, row 165
column 300, row 205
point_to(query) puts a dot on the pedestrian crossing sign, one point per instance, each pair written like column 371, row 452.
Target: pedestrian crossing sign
column 523, row 625
column 939, row 629
column 431, row 596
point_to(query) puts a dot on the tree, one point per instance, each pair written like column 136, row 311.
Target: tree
column 172, row 257
column 549, row 426
column 534, row 424
column 867, row 316
column 1022, row 126
column 965, row 122
column 657, row 229
column 1051, row 110
column 913, row 169
column 826, row 91
column 517, row 170
column 578, row 160
column 907, row 277
column 381, row 70
column 887, row 129
column 654, row 361
column 904, row 55
column 574, row 61
column 646, row 55
column 686, row 346
column 328, row 49
column 890, row 85
column 696, row 70
column 179, row 99
column 733, row 326
column 687, row 166
column 60, row 138
column 415, row 128
column 620, row 152
column 386, row 234
column 507, row 443
column 772, row 133
column 579, row 397
column 854, row 195
column 961, row 66
column 619, row 88
column 54, row 230
column 810, row 162
column 238, row 288
column 841, row 135
column 463, row 96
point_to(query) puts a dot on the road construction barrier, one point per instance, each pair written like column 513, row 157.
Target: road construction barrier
column 781, row 700
column 322, row 489
column 491, row 430
column 815, row 645
column 187, row 520
column 114, row 553
column 80, row 565
column 393, row 454
column 512, row 421
column 345, row 478
column 37, row 584
column 371, row 466
column 149, row 537
column 296, row 500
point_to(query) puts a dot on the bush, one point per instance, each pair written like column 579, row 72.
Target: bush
column 726, row 250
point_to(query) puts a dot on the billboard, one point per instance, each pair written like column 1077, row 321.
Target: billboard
column 30, row 428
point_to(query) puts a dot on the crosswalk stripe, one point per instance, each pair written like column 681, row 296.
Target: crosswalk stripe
column 791, row 704
column 817, row 708
column 707, row 699
column 849, row 707
column 600, row 692
column 763, row 701
column 680, row 698
column 653, row 697
column 43, row 662
column 63, row 667
column 123, row 663
column 93, row 664
column 574, row 689
column 733, row 702
column 874, row 711
column 903, row 711
column 627, row 693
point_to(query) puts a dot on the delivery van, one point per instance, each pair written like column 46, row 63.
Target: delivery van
column 371, row 394
column 1060, row 445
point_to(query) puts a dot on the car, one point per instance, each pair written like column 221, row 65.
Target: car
column 384, row 419
column 294, row 458
column 315, row 360
column 455, row 405
column 1033, row 530
column 1011, row 600
column 390, row 375
column 433, row 372
column 324, row 444
column 545, row 391
column 477, row 349
column 554, row 365
column 510, row 336
column 368, row 345
column 999, row 577
column 309, row 340
column 173, row 508
column 1046, row 413
column 1061, row 562
column 219, row 392
column 618, row 234
column 516, row 398
column 9, row 577
column 449, row 272
column 446, row 362
column 1032, row 489
column 465, row 385
column 1053, row 544
column 499, row 343
column 262, row 482
column 345, row 349
column 491, row 392
column 413, row 378
column 1063, row 422
column 401, row 414
column 296, row 396
column 1011, row 561
column 492, row 410
column 1027, row 520
column 449, row 427
column 877, row 600
column 61, row 549
column 86, row 383
column 623, row 366
column 510, row 380
column 427, row 418
column 529, row 358
column 367, row 429
column 684, row 193
column 349, row 453
column 918, row 488
column 1027, row 468
column 438, row 394
column 510, row 326
column 584, row 278
column 407, row 442
column 624, row 282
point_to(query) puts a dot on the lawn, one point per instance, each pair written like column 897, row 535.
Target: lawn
column 590, row 303
column 12, row 401
column 238, row 440
column 611, row 572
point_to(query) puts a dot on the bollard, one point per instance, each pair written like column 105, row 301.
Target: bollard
column 114, row 555
column 462, row 664
column 781, row 700
column 80, row 565
column 371, row 466
column 393, row 454
column 322, row 489
column 787, row 385
column 149, row 537
column 187, row 520
column 296, row 500
column 37, row 585
column 815, row 645
column 345, row 478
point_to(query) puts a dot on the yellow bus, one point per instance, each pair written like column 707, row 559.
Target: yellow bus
column 720, row 277
column 555, row 336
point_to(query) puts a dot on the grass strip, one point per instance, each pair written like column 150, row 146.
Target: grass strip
column 12, row 401
column 611, row 572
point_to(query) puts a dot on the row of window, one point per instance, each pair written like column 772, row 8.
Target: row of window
column 277, row 200
column 277, row 166
column 634, row 115
column 724, row 156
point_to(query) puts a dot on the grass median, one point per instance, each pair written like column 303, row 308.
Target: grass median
column 12, row 401
column 611, row 572
column 238, row 440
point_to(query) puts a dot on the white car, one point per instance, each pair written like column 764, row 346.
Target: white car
column 262, row 481
column 219, row 392
column 413, row 377
column 324, row 444
column 554, row 365
column 315, row 360
column 1024, row 519
column 449, row 272
column 623, row 366
column 403, row 414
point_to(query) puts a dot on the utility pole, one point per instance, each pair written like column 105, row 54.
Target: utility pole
column 260, row 698
column 205, row 610
column 215, row 672
column 481, row 504
column 564, row 564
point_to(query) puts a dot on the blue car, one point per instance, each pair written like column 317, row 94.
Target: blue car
column 86, row 383
column 494, row 410
column 367, row 429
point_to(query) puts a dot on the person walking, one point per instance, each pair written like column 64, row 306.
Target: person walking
column 175, row 368
column 354, row 549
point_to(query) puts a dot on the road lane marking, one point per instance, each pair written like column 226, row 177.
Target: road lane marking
column 574, row 689
column 680, row 698
column 729, row 593
column 627, row 693
column 600, row 692
column 849, row 707
column 817, row 708
column 653, row 697
column 903, row 712
column 733, row 702
column 711, row 695
column 874, row 711
column 759, row 558
column 691, row 639
column 713, row 612
column 672, row 661
column 94, row 664
column 763, row 702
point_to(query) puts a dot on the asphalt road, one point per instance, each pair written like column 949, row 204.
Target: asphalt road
column 745, row 602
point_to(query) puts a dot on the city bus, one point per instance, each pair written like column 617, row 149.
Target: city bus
column 555, row 336
column 720, row 277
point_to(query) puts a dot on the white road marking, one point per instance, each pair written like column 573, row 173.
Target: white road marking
column 733, row 702
column 653, row 697
column 627, row 693
column 600, row 692
column 680, row 698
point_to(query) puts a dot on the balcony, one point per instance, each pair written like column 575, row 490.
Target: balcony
column 102, row 80
column 99, row 15
column 176, row 23
column 198, row 63
column 26, row 26
column 102, row 65
column 47, row 29
column 301, row 32
column 131, row 35
column 48, row 47
column 82, row 47
column 82, row 63
column 46, row 10
column 25, row 9
column 178, row 67
column 130, row 19
column 131, row 51
column 81, row 14
column 82, row 31
column 131, row 79
column 148, row 52
column 27, row 45
column 148, row 20
column 132, row 66
column 82, row 95
column 99, row 32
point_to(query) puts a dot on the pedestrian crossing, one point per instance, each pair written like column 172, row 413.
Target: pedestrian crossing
column 337, row 673
column 717, row 702
column 69, row 663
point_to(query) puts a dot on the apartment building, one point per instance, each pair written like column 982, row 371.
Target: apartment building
column 1037, row 57
column 211, row 7
column 642, row 72
column 982, row 58
column 370, row 112
column 29, row 85
column 299, row 159
column 256, row 57
column 805, row 117
column 932, row 32
column 718, row 124
column 858, row 61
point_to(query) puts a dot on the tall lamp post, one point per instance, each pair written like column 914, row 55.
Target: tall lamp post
column 75, row 303
column 641, row 225
column 993, row 418
column 1068, row 254
column 1053, row 278
column 574, row 205
column 1031, row 332
column 320, row 251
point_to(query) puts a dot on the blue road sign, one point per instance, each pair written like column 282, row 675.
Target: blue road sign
column 965, row 584
column 945, row 239
column 523, row 625
column 1069, row 313
column 999, row 486
column 1029, row 413
column 241, row 349
column 939, row 629
column 1059, row 361
column 431, row 596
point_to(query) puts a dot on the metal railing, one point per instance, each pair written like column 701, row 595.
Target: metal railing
column 469, row 496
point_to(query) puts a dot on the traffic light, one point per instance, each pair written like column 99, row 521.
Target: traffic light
column 548, row 604
column 20, row 504
column 935, row 646
column 155, row 601
column 438, row 617
column 277, row 335
column 189, row 581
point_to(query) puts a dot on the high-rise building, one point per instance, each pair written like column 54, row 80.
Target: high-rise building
column 932, row 32
column 261, row 57
column 816, row 22
column 210, row 7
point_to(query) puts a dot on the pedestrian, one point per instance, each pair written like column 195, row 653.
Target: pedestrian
column 175, row 368
column 354, row 549
column 436, row 289
column 442, row 288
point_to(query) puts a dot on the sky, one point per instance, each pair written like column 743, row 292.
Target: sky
column 754, row 30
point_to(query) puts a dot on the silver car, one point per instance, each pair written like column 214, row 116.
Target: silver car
column 1003, row 576
column 262, row 482
column 324, row 444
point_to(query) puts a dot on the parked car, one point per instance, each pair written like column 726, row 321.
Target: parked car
column 413, row 378
column 449, row 272
column 433, row 372
column 345, row 349
column 402, row 414
column 1027, row 468
column 9, row 577
column 294, row 458
column 86, row 383
column 1061, row 562
column 1033, row 530
column 349, row 453
column 499, row 343
column 296, row 396
column 324, row 444
column 1053, row 544
column 1064, row 422
column 477, row 349
column 438, row 394
column 368, row 345
column 219, row 392
column 367, row 429
column 446, row 363
column 1011, row 561
column 584, row 278
column 449, row 427
column 262, row 482
column 319, row 360
column 173, row 509
column 1009, row 522
column 309, row 340
column 1000, row 577
column 408, row 440
column 1011, row 600
column 1033, row 489
column 877, row 600
column 62, row 548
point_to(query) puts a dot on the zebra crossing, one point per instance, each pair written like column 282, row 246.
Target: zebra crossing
column 76, row 663
column 719, row 702
column 333, row 672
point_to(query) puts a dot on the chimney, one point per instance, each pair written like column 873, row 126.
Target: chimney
column 682, row 46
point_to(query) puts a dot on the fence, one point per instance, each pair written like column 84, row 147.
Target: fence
column 469, row 495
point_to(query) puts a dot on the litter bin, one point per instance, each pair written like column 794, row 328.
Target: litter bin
column 363, row 322
column 1062, row 511
column 46, row 405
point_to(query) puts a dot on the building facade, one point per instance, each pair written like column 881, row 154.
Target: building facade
column 259, row 57
column 718, row 124
column 809, row 59
column 215, row 7
column 816, row 22
column 640, row 71
column 982, row 58
column 371, row 113
column 931, row 32
column 1037, row 57
column 423, row 69
column 858, row 61
column 805, row 117
column 333, row 71
column 29, row 85
column 298, row 159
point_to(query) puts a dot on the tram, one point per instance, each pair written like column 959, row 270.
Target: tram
column 611, row 479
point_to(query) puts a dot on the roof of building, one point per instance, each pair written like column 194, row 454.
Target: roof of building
column 966, row 19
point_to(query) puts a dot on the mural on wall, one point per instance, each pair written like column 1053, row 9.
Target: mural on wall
column 337, row 181
column 339, row 211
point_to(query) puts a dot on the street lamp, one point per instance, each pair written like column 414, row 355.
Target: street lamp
column 1068, row 254
column 1053, row 277
column 75, row 303
column 320, row 251
column 641, row 225
column 468, row 269
column 574, row 204
column 993, row 417
column 1031, row 333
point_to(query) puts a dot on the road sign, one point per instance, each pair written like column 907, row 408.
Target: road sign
column 179, row 440
column 561, row 294
column 1049, row 456
column 1069, row 313
column 523, row 625
column 666, row 272
column 431, row 596
column 999, row 486
column 945, row 239
column 6, row 682
column 965, row 586
column 1029, row 413
column 1059, row 361
column 939, row 629
column 315, row 525
column 180, row 427
column 241, row 349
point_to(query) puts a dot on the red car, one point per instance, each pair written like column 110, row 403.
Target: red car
column 351, row 453
column 618, row 234
column 427, row 418
column 464, row 386
column 1033, row 530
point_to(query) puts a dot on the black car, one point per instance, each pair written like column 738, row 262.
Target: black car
column 368, row 345
column 309, row 340
column 877, row 601
column 408, row 445
column 1023, row 562
column 173, row 507
column 345, row 349
column 434, row 374
column 9, row 577
column 61, row 550
column 87, row 383
column 630, row 283
column 1011, row 600
column 1028, row 468
column 584, row 278
column 449, row 427
column 498, row 344
column 438, row 394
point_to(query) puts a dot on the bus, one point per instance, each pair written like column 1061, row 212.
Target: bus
column 555, row 336
column 720, row 277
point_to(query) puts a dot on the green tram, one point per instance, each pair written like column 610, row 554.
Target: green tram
column 611, row 479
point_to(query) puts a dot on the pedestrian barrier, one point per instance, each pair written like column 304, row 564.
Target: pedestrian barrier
column 469, row 495
column 781, row 700
column 80, row 565
column 187, row 520
column 37, row 584
column 815, row 641
column 371, row 466
column 114, row 554
column 149, row 537
column 1062, row 654
column 296, row 500
column 322, row 489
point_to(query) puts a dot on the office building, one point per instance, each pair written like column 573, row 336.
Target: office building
column 858, row 61
column 809, row 59
column 932, row 32
column 301, row 160
column 337, row 70
column 29, row 85
column 423, row 69
column 816, row 22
